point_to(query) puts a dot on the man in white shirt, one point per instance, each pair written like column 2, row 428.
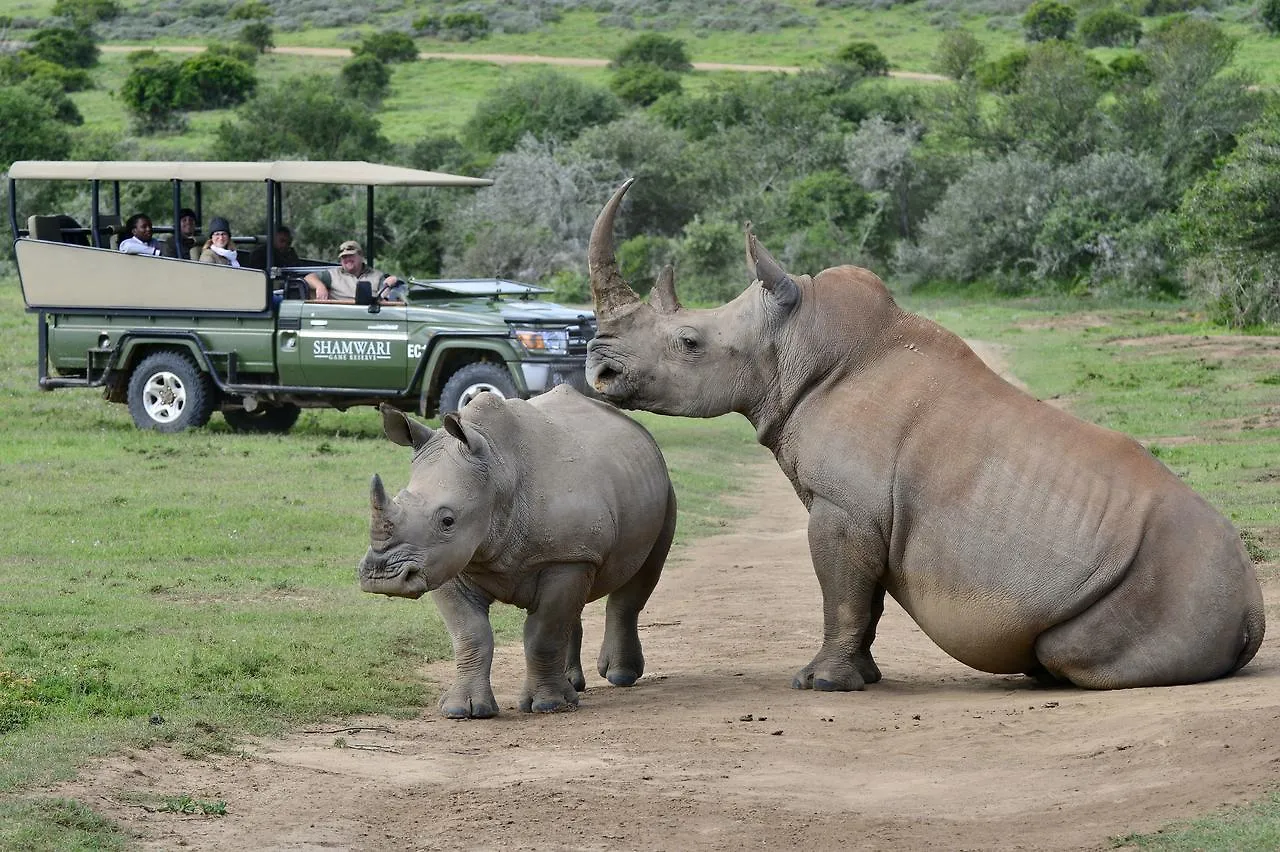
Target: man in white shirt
column 140, row 240
column 340, row 282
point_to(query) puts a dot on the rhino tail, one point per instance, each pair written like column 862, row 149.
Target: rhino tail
column 1255, row 627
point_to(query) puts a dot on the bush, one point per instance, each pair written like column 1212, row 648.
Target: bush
column 1048, row 19
column 863, row 56
column 367, row 79
column 641, row 85
column 1130, row 69
column 1157, row 8
column 959, row 54
column 1110, row 28
column 212, row 81
column 547, row 104
column 710, row 261
column 237, row 50
column 51, row 92
column 74, row 48
column 86, row 11
column 653, row 49
column 1055, row 109
column 388, row 46
column 250, row 10
column 464, row 26
column 300, row 117
column 32, row 131
column 16, row 68
column 641, row 259
column 1269, row 12
column 258, row 35
column 1003, row 75
column 150, row 92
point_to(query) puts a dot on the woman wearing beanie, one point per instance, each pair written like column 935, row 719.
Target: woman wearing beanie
column 218, row 248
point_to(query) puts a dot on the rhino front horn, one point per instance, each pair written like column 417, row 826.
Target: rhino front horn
column 610, row 290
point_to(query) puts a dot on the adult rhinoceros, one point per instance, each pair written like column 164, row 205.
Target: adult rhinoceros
column 1018, row 537
column 545, row 504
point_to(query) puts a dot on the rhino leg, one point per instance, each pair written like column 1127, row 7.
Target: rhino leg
column 573, row 670
column 848, row 559
column 548, row 634
column 465, row 612
column 621, row 659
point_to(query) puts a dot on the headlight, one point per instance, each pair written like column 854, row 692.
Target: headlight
column 550, row 342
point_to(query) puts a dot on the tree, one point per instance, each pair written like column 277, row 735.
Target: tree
column 1110, row 28
column 1269, row 12
column 258, row 35
column 300, row 117
column 547, row 104
column 388, row 46
column 864, row 56
column 86, row 11
column 250, row 10
column 32, row 131
column 959, row 54
column 654, row 49
column 213, row 80
column 642, row 84
column 1055, row 109
column 1003, row 75
column 880, row 158
column 464, row 26
column 17, row 67
column 74, row 48
column 150, row 92
column 366, row 78
column 51, row 92
column 1048, row 19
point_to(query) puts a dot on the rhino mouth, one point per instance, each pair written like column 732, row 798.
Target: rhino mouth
column 398, row 580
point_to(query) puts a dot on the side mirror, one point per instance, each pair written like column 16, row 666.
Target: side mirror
column 364, row 293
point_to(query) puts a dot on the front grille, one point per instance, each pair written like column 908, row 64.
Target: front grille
column 579, row 336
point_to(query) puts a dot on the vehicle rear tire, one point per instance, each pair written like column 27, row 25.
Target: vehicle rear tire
column 265, row 418
column 169, row 393
column 471, row 381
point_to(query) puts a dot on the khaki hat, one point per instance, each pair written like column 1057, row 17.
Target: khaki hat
column 349, row 247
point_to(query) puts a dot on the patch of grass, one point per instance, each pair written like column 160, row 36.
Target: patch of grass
column 1252, row 828
column 56, row 825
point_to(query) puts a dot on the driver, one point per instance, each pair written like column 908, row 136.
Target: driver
column 340, row 282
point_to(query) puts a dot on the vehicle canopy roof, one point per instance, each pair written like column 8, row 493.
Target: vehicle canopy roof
column 281, row 171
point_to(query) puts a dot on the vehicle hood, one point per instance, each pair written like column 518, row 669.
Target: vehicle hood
column 487, row 314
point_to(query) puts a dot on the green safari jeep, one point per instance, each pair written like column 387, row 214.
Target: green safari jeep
column 176, row 339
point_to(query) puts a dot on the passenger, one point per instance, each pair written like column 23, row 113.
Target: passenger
column 187, row 228
column 285, row 254
column 218, row 248
column 340, row 282
column 140, row 240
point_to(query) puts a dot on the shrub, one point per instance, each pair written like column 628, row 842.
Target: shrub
column 388, row 46
column 864, row 56
column 250, row 10
column 710, row 261
column 300, row 117
column 1269, row 12
column 547, row 104
column 51, row 92
column 1156, row 8
column 1048, row 19
column 236, row 50
column 653, row 49
column 86, row 11
column 1055, row 109
column 212, row 81
column 1130, row 69
column 1110, row 28
column 959, row 54
column 641, row 85
column 150, row 92
column 258, row 35
column 1003, row 75
column 464, row 26
column 24, row 66
column 366, row 78
column 74, row 48
column 32, row 131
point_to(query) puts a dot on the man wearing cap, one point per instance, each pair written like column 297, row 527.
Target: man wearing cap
column 186, row 240
column 340, row 282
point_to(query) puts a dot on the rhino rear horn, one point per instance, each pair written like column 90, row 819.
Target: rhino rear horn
column 610, row 291
column 770, row 274
column 663, row 295
column 377, row 495
column 402, row 429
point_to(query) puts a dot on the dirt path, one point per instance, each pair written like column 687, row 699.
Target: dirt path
column 506, row 59
column 712, row 750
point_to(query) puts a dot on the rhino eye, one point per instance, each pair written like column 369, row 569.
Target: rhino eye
column 688, row 342
column 447, row 521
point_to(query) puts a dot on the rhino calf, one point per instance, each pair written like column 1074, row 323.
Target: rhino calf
column 547, row 505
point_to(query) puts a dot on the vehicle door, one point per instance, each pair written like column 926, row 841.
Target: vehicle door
column 346, row 346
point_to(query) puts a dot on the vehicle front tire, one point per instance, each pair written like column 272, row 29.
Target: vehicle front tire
column 471, row 381
column 169, row 393
column 263, row 419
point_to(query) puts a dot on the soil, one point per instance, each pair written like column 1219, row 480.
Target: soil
column 712, row 749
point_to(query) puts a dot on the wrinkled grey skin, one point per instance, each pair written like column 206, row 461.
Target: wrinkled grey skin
column 1018, row 537
column 547, row 505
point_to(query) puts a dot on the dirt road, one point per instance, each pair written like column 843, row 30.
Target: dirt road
column 712, row 750
column 506, row 59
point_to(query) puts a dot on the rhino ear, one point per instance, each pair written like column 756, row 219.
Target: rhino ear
column 772, row 277
column 663, row 295
column 403, row 430
column 473, row 440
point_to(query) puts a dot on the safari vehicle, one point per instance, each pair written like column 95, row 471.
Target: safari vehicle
column 176, row 339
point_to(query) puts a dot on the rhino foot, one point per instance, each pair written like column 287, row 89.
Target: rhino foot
column 550, row 699
column 621, row 667
column 463, row 703
column 622, row 677
column 576, row 678
column 842, row 676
